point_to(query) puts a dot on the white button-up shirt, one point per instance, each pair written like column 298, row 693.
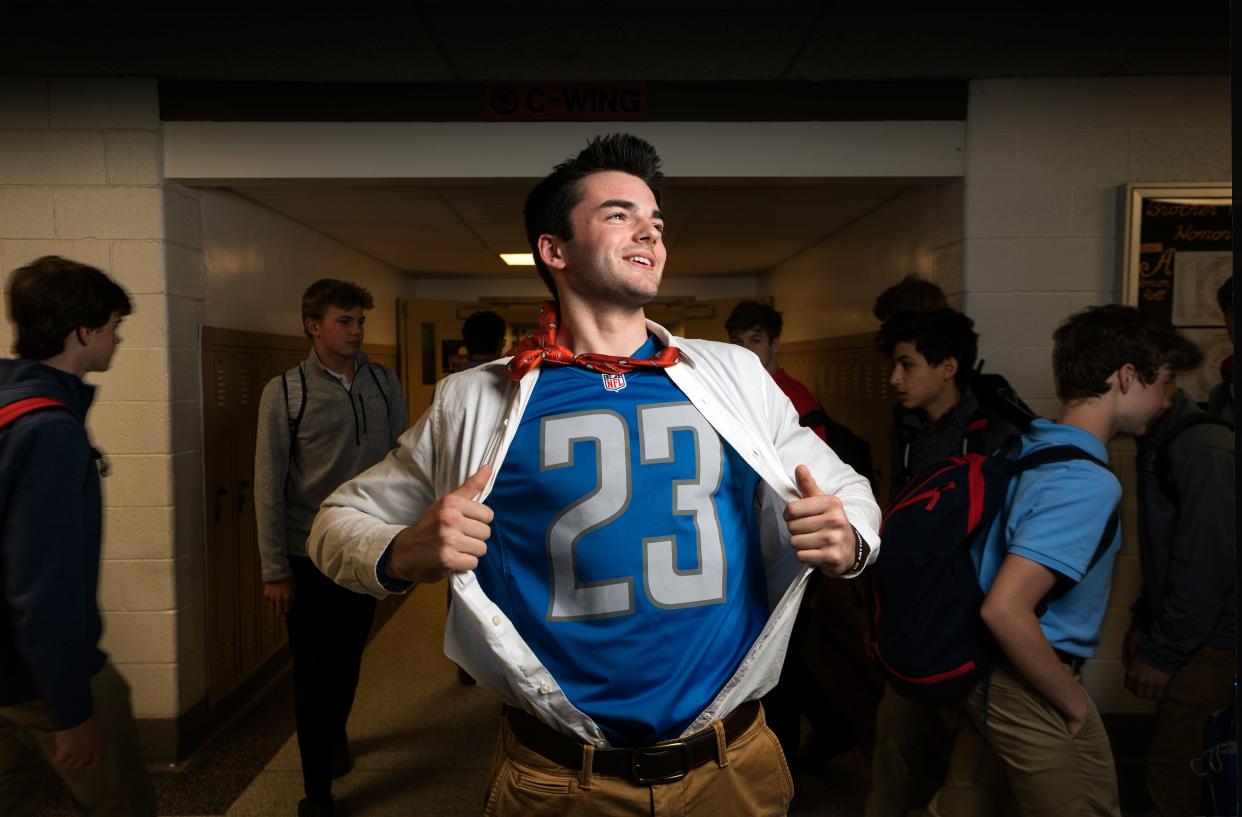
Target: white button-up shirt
column 472, row 421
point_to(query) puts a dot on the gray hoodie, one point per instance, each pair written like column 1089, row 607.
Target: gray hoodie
column 342, row 433
column 1186, row 550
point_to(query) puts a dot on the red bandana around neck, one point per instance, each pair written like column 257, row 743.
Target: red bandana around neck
column 541, row 347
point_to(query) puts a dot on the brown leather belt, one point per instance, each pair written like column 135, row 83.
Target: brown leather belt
column 659, row 763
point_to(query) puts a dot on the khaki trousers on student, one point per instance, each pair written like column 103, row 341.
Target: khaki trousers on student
column 1030, row 765
column 913, row 742
column 117, row 787
column 752, row 780
column 1201, row 686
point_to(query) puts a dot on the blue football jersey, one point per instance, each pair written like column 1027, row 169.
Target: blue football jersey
column 625, row 548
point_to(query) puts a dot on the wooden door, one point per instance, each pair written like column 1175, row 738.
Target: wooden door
column 425, row 326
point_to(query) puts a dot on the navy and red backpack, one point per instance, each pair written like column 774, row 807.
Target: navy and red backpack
column 928, row 634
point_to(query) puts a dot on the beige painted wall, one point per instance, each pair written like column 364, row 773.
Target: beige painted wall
column 827, row 290
column 258, row 263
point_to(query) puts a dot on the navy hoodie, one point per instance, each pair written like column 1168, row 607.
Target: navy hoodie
column 49, row 546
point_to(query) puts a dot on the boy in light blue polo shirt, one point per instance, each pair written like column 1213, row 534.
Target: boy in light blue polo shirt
column 1046, row 589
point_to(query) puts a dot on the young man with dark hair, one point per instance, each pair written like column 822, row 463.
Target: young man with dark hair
column 627, row 519
column 933, row 354
column 757, row 327
column 937, row 415
column 1046, row 568
column 1180, row 650
column 321, row 423
column 61, row 700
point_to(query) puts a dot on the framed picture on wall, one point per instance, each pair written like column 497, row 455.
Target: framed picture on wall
column 1178, row 251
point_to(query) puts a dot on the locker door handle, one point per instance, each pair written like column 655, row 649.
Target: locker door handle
column 219, row 508
column 241, row 494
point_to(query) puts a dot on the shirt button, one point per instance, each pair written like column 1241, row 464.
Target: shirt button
column 544, row 689
column 505, row 421
column 496, row 620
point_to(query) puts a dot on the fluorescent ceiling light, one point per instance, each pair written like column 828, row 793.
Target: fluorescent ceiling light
column 518, row 259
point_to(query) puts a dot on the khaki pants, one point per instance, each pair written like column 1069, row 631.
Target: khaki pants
column 752, row 780
column 117, row 787
column 913, row 742
column 1031, row 764
column 1201, row 686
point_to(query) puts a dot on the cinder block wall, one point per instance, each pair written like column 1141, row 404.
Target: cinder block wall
column 1045, row 161
column 81, row 176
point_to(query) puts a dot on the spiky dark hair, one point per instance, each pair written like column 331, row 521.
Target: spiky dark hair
column 552, row 200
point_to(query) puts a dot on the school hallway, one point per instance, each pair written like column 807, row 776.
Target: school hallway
column 421, row 743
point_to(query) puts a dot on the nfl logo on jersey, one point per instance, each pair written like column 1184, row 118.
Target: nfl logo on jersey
column 613, row 382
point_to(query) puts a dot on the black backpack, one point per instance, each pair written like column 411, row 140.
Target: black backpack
column 998, row 398
column 928, row 635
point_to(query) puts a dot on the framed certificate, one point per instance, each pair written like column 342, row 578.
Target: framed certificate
column 1178, row 252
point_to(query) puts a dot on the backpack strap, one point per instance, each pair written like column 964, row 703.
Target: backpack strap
column 1164, row 468
column 1069, row 453
column 12, row 411
column 383, row 394
column 295, row 402
column 1055, row 453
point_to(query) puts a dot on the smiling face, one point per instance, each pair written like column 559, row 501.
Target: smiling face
column 617, row 254
column 338, row 335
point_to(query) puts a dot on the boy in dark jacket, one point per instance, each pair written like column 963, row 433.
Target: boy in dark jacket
column 1180, row 648
column 933, row 354
column 61, row 701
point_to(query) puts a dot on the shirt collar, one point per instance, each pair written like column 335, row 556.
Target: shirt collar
column 359, row 361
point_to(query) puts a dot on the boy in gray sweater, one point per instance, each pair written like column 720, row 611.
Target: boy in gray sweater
column 320, row 424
